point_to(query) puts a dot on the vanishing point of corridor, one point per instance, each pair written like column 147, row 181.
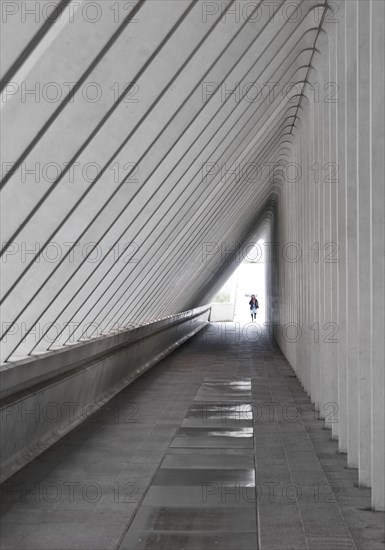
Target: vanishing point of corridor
column 151, row 150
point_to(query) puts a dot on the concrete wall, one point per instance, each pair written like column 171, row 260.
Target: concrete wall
column 221, row 312
column 42, row 399
column 330, row 229
column 116, row 190
column 125, row 202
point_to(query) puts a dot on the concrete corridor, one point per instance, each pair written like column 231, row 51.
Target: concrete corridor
column 217, row 446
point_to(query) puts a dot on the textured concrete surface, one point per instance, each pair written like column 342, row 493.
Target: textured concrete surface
column 217, row 446
column 148, row 142
column 47, row 397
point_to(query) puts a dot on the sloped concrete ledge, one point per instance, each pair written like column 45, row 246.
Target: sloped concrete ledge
column 46, row 397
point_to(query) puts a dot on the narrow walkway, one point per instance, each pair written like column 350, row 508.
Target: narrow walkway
column 217, row 446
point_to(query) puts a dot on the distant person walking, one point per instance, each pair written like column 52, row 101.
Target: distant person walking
column 253, row 307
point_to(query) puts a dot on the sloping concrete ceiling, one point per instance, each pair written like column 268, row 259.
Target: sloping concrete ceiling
column 140, row 141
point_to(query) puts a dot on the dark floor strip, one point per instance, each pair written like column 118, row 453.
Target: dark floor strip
column 204, row 500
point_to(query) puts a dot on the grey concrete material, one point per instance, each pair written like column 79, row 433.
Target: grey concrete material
column 205, row 461
column 194, row 519
column 116, row 516
column 172, row 211
column 101, row 73
column 176, row 276
column 319, row 542
column 22, row 374
column 61, row 536
column 222, row 397
column 352, row 235
column 201, row 509
column 328, row 212
column 341, row 284
column 206, row 412
column 280, row 523
column 161, row 541
column 227, row 384
column 101, row 38
column 214, row 452
column 180, row 476
column 31, row 27
column 87, row 387
column 192, row 496
column 217, row 442
column 65, row 507
column 290, row 539
column 287, row 32
column 378, row 268
column 215, row 421
column 315, row 514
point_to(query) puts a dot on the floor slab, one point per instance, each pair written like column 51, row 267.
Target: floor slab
column 217, row 446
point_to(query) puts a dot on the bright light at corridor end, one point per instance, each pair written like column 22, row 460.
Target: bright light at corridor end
column 247, row 279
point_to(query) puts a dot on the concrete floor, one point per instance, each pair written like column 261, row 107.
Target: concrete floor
column 217, row 446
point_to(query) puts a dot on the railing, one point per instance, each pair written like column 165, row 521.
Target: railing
column 43, row 398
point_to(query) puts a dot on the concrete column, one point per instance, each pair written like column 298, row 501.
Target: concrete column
column 333, row 181
column 364, row 193
column 377, row 208
column 342, row 230
column 352, row 155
